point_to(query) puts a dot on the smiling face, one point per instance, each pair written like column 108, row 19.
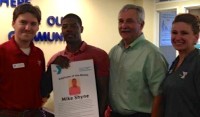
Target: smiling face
column 71, row 30
column 182, row 37
column 26, row 25
column 128, row 25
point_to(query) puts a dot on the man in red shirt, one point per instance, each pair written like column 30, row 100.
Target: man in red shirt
column 77, row 50
column 21, row 66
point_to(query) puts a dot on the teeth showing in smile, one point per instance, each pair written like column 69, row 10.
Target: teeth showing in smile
column 69, row 36
column 125, row 30
column 179, row 43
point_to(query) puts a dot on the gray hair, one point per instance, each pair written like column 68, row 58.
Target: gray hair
column 138, row 9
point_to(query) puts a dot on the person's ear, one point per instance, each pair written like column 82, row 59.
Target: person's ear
column 196, row 38
column 13, row 23
column 82, row 29
column 142, row 25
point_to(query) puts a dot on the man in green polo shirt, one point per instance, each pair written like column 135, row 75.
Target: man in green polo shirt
column 137, row 68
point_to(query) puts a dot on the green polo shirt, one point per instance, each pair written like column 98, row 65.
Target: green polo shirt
column 136, row 73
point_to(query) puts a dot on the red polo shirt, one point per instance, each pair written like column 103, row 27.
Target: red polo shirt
column 20, row 76
column 85, row 52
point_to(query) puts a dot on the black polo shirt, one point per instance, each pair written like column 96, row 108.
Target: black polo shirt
column 181, row 88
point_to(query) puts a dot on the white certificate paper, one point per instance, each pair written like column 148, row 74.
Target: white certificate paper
column 75, row 93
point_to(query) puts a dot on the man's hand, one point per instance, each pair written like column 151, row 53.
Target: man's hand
column 108, row 111
column 62, row 61
column 44, row 100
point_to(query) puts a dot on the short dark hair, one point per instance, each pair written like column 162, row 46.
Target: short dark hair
column 74, row 16
column 73, row 79
column 27, row 7
column 190, row 19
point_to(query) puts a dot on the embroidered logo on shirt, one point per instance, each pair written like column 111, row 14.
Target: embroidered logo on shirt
column 183, row 75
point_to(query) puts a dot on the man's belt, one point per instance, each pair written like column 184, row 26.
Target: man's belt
column 137, row 114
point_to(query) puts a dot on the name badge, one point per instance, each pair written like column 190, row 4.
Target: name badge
column 18, row 65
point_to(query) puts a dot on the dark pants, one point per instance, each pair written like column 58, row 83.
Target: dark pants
column 138, row 114
column 25, row 113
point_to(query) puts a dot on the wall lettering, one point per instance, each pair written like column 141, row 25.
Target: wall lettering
column 13, row 3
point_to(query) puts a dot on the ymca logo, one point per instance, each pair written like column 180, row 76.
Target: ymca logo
column 58, row 69
column 183, row 75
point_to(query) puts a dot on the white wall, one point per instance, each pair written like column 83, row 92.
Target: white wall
column 99, row 20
